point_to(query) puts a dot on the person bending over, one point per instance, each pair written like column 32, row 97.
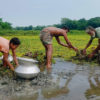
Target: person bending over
column 46, row 36
column 5, row 46
column 94, row 33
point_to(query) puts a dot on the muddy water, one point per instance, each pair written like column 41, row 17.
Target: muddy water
column 66, row 81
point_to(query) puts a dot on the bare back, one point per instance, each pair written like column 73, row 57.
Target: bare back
column 4, row 45
column 54, row 31
column 47, row 34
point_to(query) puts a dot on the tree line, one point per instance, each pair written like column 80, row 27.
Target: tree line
column 80, row 24
column 5, row 25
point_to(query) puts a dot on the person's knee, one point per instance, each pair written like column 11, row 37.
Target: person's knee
column 50, row 47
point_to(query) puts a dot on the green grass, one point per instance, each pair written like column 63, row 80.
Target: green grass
column 30, row 42
column 33, row 43
column 18, row 32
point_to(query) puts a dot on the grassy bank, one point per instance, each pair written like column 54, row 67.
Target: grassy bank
column 33, row 44
column 19, row 32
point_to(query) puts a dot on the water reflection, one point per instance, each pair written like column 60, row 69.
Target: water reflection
column 70, row 82
column 32, row 97
column 59, row 77
column 94, row 86
column 55, row 90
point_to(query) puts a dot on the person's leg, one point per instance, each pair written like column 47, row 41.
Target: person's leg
column 95, row 51
column 49, row 55
column 45, row 50
column 4, row 63
column 46, row 39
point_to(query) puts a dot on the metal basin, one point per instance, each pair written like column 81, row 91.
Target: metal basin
column 27, row 68
column 10, row 58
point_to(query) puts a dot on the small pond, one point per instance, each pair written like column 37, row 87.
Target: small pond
column 66, row 81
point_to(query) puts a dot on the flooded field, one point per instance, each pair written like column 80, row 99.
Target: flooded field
column 66, row 81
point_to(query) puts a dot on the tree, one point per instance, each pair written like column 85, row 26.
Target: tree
column 82, row 24
column 72, row 24
column 5, row 25
column 94, row 22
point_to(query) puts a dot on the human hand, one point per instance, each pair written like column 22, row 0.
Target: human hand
column 90, row 55
column 69, row 45
column 76, row 50
column 83, row 51
column 17, row 64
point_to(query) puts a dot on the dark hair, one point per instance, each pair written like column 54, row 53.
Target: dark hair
column 15, row 41
column 90, row 28
column 65, row 27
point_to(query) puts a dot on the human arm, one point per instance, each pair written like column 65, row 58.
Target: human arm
column 59, row 42
column 89, row 43
column 69, row 43
column 14, row 57
column 6, row 62
column 95, row 51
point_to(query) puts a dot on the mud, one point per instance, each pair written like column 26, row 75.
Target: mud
column 66, row 81
column 85, row 58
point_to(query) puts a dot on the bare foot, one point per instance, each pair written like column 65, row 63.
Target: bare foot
column 83, row 52
column 49, row 66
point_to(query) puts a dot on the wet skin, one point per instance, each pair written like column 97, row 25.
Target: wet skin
column 56, row 32
column 5, row 57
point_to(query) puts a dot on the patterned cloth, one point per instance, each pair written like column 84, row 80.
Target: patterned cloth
column 96, row 34
column 46, row 37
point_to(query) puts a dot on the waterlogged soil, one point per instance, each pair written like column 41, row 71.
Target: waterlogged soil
column 66, row 81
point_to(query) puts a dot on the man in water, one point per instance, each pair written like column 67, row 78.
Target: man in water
column 5, row 46
column 94, row 33
column 46, row 36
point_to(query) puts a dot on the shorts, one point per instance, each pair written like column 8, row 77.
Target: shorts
column 46, row 37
